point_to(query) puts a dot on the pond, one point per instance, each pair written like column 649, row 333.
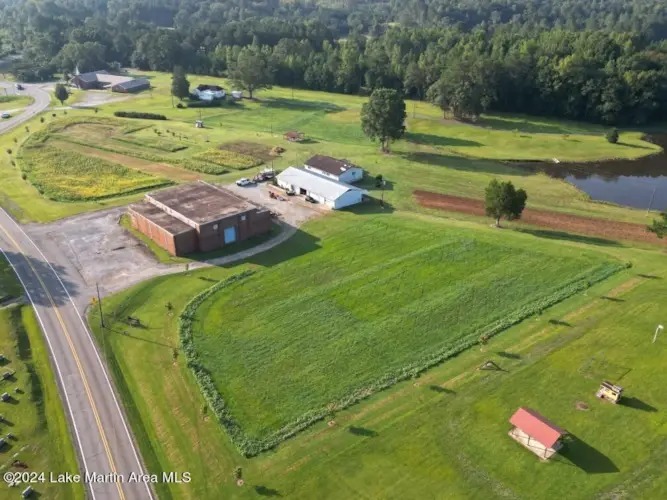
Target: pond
column 634, row 183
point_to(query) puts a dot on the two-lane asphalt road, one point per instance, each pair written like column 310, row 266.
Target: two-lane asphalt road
column 101, row 434
column 41, row 97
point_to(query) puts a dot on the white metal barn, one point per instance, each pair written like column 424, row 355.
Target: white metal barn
column 329, row 192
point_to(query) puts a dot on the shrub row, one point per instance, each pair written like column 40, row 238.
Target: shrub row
column 203, row 377
column 250, row 447
column 139, row 114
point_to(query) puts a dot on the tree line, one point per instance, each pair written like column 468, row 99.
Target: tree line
column 467, row 56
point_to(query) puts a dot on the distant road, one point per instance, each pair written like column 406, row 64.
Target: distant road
column 100, row 432
column 42, row 101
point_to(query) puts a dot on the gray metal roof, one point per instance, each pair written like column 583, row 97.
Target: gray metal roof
column 137, row 82
column 318, row 184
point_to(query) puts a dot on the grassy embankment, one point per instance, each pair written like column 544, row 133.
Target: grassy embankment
column 14, row 101
column 441, row 155
column 34, row 415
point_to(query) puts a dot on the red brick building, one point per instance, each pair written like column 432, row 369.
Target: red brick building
column 198, row 217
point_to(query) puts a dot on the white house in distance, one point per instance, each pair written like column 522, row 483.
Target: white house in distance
column 327, row 191
column 209, row 92
column 340, row 170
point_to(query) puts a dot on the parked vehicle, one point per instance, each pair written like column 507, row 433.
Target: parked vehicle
column 290, row 192
column 19, row 87
column 244, row 182
column 6, row 115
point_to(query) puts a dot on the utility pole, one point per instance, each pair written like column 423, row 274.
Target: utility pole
column 99, row 304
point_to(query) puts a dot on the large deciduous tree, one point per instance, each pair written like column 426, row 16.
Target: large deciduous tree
column 659, row 227
column 465, row 88
column 383, row 117
column 503, row 200
column 180, row 86
column 61, row 93
column 251, row 70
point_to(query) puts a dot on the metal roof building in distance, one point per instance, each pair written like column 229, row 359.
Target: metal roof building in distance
column 325, row 190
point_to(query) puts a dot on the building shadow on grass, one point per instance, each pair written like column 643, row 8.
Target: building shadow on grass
column 587, row 458
column 562, row 235
column 558, row 322
column 362, row 431
column 508, row 355
column 300, row 243
column 612, row 299
column 371, row 206
column 299, row 105
column 441, row 390
column 637, row 404
column 265, row 491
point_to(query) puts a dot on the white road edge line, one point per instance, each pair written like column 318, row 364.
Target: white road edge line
column 55, row 362
column 97, row 355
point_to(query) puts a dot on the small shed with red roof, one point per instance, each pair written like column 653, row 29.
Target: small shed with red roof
column 536, row 433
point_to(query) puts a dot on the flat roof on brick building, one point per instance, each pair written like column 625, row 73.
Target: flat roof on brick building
column 161, row 218
column 200, row 202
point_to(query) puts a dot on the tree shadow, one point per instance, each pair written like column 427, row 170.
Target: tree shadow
column 559, row 322
column 464, row 164
column 267, row 492
column 586, row 457
column 299, row 105
column 576, row 238
column 508, row 355
column 362, row 431
column 637, row 404
column 441, row 390
column 439, row 140
column 529, row 126
column 27, row 266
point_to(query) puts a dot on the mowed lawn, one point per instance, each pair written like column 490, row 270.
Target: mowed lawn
column 381, row 297
column 443, row 434
column 34, row 415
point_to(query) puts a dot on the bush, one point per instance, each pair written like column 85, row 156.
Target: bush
column 180, row 105
column 140, row 115
column 9, row 151
column 612, row 136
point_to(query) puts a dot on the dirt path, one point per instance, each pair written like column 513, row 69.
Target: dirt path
column 556, row 221
column 159, row 169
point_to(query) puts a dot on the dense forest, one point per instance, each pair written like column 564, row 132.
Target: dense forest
column 596, row 60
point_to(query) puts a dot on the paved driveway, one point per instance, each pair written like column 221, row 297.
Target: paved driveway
column 96, row 249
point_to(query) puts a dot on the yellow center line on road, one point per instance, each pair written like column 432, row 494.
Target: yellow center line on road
column 76, row 359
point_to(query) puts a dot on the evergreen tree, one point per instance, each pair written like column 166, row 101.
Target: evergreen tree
column 61, row 93
column 180, row 86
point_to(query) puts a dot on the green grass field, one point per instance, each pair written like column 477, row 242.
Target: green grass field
column 444, row 431
column 14, row 101
column 35, row 416
column 444, row 155
column 394, row 297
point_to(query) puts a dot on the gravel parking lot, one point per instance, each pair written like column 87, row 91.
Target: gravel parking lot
column 294, row 210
